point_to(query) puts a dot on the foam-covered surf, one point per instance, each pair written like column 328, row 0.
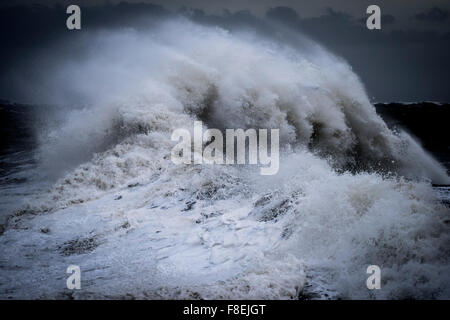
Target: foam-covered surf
column 349, row 193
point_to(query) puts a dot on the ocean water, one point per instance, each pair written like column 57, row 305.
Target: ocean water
column 97, row 188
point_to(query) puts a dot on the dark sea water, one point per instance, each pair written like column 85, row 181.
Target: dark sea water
column 427, row 121
column 18, row 163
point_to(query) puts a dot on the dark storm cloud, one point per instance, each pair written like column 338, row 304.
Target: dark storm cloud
column 284, row 14
column 387, row 19
column 339, row 28
column 396, row 63
column 434, row 15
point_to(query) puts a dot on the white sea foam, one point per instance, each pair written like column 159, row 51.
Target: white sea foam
column 349, row 192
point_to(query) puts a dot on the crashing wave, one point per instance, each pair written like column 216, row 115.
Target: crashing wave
column 350, row 192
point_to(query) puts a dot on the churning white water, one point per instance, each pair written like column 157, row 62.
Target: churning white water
column 349, row 193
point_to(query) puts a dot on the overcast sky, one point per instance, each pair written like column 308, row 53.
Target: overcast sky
column 306, row 8
column 406, row 61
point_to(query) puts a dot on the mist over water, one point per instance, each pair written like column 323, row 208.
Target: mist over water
column 350, row 192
